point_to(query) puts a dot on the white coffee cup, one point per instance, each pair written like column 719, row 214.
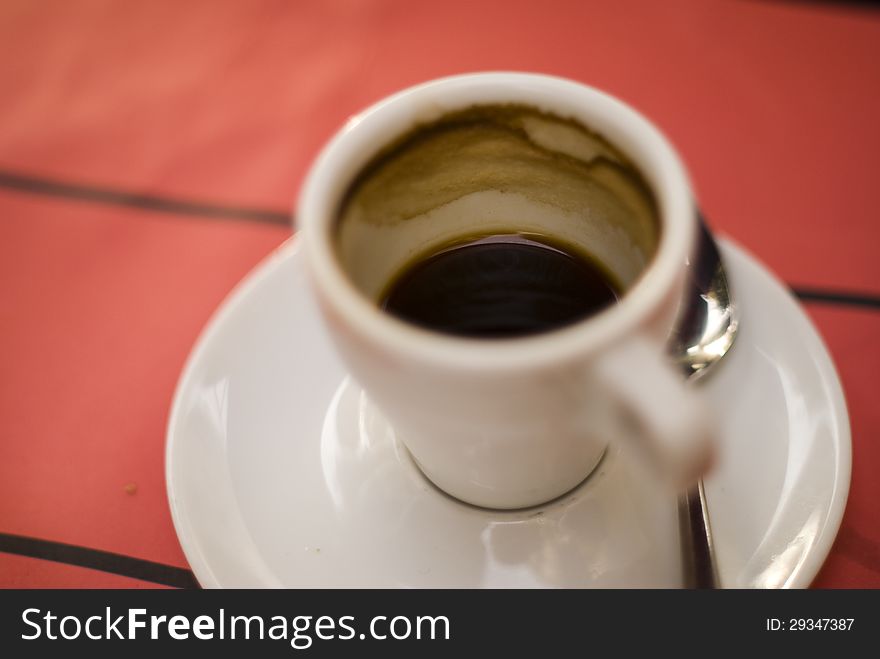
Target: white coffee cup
column 515, row 422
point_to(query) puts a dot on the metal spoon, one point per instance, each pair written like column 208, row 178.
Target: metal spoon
column 704, row 335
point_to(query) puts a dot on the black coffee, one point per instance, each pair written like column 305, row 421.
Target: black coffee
column 499, row 287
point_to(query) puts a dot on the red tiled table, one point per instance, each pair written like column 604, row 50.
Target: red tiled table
column 774, row 106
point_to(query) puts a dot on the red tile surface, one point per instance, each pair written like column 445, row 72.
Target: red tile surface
column 774, row 107
column 101, row 307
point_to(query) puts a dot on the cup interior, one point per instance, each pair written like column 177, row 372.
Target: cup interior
column 354, row 249
column 495, row 169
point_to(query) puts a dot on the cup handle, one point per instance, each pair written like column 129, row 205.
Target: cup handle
column 667, row 421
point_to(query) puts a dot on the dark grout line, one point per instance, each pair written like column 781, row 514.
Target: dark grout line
column 844, row 298
column 112, row 197
column 95, row 559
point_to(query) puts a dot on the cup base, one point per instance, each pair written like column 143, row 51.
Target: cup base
column 512, row 508
column 374, row 424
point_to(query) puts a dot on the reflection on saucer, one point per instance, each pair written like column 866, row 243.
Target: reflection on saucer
column 609, row 532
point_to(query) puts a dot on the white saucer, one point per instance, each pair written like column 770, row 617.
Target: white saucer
column 280, row 473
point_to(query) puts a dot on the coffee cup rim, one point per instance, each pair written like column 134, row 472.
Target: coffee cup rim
column 368, row 131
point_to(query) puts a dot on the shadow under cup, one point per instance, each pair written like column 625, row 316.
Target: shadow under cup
column 495, row 170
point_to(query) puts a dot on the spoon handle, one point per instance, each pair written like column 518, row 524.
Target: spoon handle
column 698, row 550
